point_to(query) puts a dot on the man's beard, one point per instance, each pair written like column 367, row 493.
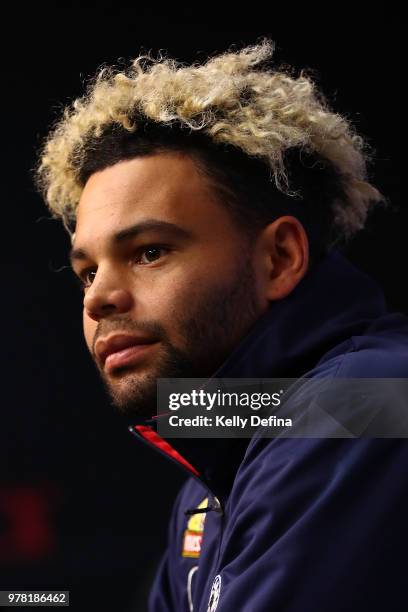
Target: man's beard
column 211, row 324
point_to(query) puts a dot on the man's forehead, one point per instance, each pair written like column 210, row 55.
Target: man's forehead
column 164, row 186
column 164, row 180
column 143, row 173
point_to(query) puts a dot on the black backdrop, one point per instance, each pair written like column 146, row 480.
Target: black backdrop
column 83, row 506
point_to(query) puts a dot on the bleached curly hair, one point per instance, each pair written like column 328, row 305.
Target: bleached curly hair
column 230, row 101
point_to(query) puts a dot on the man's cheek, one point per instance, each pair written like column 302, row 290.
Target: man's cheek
column 89, row 327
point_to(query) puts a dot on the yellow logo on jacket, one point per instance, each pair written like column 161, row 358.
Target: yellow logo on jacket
column 193, row 535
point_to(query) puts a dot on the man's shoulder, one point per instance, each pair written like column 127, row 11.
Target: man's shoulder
column 361, row 389
column 382, row 352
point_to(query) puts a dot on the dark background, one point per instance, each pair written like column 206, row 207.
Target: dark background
column 83, row 506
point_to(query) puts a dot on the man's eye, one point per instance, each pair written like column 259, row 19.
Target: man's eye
column 87, row 278
column 150, row 254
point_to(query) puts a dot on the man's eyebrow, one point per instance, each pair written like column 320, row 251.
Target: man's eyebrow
column 78, row 254
column 149, row 225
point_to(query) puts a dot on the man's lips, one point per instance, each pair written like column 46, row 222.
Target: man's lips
column 119, row 350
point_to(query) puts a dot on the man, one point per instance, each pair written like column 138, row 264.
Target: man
column 204, row 204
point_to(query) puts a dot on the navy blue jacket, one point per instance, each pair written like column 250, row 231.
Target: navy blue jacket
column 296, row 525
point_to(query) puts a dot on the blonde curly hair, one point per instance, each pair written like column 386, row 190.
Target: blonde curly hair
column 230, row 100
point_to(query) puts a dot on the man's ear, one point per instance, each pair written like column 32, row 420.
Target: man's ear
column 283, row 256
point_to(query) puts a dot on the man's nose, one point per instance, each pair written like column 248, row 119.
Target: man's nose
column 107, row 296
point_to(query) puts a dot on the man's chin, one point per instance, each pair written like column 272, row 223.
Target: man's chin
column 133, row 389
column 134, row 395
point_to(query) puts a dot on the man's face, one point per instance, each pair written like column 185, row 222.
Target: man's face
column 170, row 287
